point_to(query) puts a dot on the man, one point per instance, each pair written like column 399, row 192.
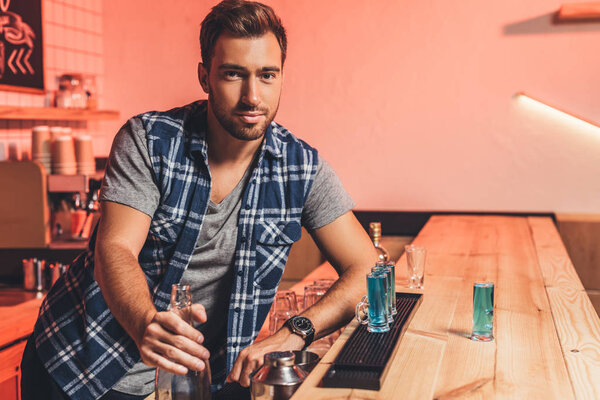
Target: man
column 211, row 194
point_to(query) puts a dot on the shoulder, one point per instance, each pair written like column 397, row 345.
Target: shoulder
column 287, row 141
column 175, row 122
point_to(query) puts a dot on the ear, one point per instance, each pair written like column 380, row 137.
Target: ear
column 203, row 77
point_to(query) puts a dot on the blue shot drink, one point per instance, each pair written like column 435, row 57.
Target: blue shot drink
column 392, row 267
column 373, row 308
column 381, row 268
column 483, row 311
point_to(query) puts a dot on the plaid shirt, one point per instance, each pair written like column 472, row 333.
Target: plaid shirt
column 78, row 339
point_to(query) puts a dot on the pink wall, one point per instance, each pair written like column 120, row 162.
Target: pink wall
column 411, row 102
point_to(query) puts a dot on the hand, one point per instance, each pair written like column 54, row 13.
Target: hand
column 172, row 344
column 252, row 357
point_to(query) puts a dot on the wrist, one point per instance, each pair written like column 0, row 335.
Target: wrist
column 289, row 340
column 143, row 323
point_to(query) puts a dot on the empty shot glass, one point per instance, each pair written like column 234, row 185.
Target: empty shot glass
column 392, row 266
column 415, row 260
column 372, row 309
column 483, row 311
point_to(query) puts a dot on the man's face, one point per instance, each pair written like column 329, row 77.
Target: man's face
column 244, row 84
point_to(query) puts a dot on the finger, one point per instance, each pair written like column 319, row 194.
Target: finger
column 154, row 359
column 173, row 323
column 158, row 340
column 199, row 313
column 234, row 375
column 251, row 365
column 177, row 356
column 168, row 365
column 186, row 345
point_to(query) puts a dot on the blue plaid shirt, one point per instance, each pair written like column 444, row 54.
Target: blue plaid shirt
column 78, row 339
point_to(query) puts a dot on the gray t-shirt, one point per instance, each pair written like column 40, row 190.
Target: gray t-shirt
column 129, row 180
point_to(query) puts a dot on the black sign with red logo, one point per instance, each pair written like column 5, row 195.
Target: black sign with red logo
column 21, row 50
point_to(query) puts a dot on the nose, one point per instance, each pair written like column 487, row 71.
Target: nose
column 251, row 95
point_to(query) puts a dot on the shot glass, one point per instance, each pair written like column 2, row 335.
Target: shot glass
column 415, row 259
column 372, row 309
column 392, row 266
column 483, row 311
column 381, row 268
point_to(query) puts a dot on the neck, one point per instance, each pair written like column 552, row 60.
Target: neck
column 225, row 149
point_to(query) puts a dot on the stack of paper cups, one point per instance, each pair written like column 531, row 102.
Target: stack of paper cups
column 40, row 146
column 63, row 156
column 84, row 155
column 55, row 132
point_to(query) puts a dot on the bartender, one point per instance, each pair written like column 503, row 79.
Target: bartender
column 212, row 194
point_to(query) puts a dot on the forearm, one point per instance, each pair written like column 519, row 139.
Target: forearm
column 350, row 250
column 123, row 285
column 336, row 308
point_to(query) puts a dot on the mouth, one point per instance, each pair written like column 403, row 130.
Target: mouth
column 251, row 117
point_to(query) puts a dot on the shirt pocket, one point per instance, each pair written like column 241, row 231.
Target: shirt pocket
column 273, row 242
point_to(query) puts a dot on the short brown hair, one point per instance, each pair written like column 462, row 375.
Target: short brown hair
column 239, row 18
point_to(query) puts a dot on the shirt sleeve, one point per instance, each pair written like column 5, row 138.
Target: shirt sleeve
column 129, row 177
column 327, row 199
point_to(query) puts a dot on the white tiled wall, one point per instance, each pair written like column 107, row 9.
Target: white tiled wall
column 72, row 43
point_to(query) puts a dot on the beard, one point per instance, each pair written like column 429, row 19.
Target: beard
column 236, row 128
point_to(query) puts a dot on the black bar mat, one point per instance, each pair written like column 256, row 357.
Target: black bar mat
column 362, row 360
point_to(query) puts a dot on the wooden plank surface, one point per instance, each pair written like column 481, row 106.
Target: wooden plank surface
column 576, row 322
column 436, row 358
column 17, row 321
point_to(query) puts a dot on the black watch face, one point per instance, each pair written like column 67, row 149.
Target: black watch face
column 302, row 324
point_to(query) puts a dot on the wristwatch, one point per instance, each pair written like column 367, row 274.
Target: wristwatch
column 302, row 327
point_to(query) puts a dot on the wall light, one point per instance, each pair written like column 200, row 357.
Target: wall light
column 547, row 108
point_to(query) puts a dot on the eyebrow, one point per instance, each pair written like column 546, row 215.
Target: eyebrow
column 240, row 68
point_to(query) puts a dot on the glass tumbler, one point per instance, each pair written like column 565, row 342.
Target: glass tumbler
column 285, row 306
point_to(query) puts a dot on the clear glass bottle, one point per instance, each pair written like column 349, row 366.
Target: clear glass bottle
column 194, row 385
column 375, row 233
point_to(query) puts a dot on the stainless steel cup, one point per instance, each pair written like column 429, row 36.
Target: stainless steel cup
column 33, row 274
column 278, row 378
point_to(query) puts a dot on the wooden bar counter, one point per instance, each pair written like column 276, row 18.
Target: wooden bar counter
column 547, row 334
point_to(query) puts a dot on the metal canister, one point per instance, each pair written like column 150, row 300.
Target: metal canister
column 39, row 274
column 28, row 274
column 278, row 378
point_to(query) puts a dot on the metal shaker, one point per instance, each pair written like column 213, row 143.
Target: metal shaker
column 51, row 274
column 33, row 274
column 278, row 378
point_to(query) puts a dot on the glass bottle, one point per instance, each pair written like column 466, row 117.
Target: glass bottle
column 375, row 233
column 195, row 385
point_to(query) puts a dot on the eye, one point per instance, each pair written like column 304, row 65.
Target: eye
column 268, row 76
column 231, row 75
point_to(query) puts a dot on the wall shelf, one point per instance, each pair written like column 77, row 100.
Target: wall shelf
column 56, row 114
column 72, row 183
column 575, row 12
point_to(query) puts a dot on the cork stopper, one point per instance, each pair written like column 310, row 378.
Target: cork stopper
column 375, row 230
